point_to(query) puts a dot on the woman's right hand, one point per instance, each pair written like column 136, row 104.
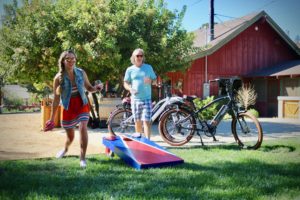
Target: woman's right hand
column 98, row 85
column 49, row 125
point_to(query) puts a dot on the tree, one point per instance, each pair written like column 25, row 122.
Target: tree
column 103, row 34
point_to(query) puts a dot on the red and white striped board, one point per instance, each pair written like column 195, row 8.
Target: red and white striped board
column 140, row 153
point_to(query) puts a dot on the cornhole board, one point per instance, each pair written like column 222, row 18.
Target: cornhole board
column 141, row 153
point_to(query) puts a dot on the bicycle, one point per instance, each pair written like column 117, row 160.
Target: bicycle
column 177, row 127
column 121, row 120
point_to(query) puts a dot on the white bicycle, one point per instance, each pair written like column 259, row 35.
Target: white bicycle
column 121, row 120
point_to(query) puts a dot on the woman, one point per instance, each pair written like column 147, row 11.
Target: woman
column 69, row 89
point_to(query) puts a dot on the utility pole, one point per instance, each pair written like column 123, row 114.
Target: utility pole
column 212, row 21
column 206, row 86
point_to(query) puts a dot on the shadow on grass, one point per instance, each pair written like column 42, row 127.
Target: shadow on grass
column 277, row 148
column 208, row 147
column 264, row 148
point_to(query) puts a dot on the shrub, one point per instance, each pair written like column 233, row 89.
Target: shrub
column 254, row 112
column 210, row 111
column 227, row 116
column 12, row 101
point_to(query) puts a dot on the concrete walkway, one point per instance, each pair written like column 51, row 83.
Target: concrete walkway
column 23, row 139
column 273, row 128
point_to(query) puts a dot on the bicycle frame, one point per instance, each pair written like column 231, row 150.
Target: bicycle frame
column 205, row 127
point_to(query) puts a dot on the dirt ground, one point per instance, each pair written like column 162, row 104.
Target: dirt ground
column 21, row 138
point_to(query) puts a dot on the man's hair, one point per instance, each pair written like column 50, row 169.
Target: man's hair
column 134, row 53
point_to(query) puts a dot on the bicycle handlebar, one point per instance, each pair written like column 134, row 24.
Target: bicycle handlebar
column 215, row 80
column 226, row 81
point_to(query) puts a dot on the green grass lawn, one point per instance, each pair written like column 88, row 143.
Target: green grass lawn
column 212, row 172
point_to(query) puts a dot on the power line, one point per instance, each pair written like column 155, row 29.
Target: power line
column 222, row 22
column 196, row 2
column 226, row 16
column 261, row 8
column 267, row 4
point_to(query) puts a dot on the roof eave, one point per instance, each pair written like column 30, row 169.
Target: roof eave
column 283, row 35
column 229, row 38
column 217, row 46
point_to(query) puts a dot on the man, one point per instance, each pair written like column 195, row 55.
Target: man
column 138, row 80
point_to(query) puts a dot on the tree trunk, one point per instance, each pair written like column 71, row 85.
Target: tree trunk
column 1, row 100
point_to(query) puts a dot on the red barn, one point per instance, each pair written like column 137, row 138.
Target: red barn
column 254, row 48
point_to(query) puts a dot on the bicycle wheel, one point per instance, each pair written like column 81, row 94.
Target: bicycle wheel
column 174, row 130
column 121, row 121
column 247, row 131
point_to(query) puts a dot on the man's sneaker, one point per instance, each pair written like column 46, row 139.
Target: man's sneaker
column 83, row 164
column 61, row 154
column 136, row 135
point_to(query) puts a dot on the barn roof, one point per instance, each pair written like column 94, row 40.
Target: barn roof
column 225, row 32
column 288, row 68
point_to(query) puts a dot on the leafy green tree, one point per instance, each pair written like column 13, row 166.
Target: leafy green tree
column 103, row 34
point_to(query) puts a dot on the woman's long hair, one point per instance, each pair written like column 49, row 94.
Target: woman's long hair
column 62, row 69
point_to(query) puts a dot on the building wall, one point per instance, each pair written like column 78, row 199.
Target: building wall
column 290, row 86
column 252, row 50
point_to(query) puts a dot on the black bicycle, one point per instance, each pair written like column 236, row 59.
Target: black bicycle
column 178, row 126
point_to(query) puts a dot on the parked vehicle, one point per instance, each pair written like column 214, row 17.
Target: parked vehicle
column 121, row 120
column 177, row 126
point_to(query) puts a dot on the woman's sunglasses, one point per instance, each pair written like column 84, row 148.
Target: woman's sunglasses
column 70, row 59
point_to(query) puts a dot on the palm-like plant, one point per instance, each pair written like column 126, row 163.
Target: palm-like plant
column 246, row 95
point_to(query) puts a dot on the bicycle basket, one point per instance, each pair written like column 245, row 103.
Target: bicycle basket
column 234, row 83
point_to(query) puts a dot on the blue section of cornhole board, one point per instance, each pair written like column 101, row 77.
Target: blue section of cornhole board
column 120, row 148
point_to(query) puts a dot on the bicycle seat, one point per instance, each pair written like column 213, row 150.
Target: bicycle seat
column 189, row 98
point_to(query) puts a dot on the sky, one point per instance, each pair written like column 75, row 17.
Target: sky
column 286, row 13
